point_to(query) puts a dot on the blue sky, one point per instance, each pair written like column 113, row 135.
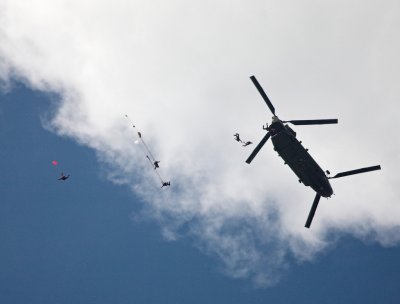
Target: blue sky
column 75, row 242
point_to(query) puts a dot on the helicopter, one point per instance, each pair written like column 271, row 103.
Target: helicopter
column 297, row 157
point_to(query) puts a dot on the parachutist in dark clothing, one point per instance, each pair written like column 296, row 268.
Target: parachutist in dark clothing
column 247, row 143
column 237, row 138
column 155, row 163
column 63, row 177
column 165, row 184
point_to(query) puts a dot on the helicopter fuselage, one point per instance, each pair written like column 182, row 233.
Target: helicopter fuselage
column 298, row 159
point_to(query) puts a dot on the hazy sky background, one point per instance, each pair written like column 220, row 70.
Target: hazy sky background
column 181, row 71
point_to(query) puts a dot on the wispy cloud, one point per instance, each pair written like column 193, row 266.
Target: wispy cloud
column 180, row 70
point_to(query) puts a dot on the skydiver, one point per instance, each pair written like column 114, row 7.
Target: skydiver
column 166, row 184
column 247, row 143
column 63, row 177
column 237, row 138
column 155, row 163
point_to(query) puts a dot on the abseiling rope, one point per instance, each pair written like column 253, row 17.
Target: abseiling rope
column 146, row 151
column 155, row 170
column 147, row 148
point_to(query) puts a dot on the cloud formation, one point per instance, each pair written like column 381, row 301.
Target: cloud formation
column 180, row 70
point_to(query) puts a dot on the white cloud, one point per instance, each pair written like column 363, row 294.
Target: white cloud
column 180, row 70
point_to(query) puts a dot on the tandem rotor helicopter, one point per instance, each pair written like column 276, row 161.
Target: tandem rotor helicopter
column 296, row 156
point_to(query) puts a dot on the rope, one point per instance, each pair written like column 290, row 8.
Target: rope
column 151, row 163
column 146, row 151
column 147, row 148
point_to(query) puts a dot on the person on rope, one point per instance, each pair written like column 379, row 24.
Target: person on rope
column 155, row 163
column 63, row 177
column 237, row 138
column 164, row 184
column 247, row 143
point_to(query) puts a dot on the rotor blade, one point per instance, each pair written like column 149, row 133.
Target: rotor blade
column 258, row 148
column 357, row 171
column 313, row 121
column 312, row 211
column 261, row 91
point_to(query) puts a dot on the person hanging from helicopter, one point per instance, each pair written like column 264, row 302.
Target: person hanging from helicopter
column 237, row 138
column 63, row 177
column 155, row 163
column 166, row 184
column 246, row 143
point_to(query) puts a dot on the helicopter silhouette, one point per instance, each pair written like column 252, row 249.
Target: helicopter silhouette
column 297, row 157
